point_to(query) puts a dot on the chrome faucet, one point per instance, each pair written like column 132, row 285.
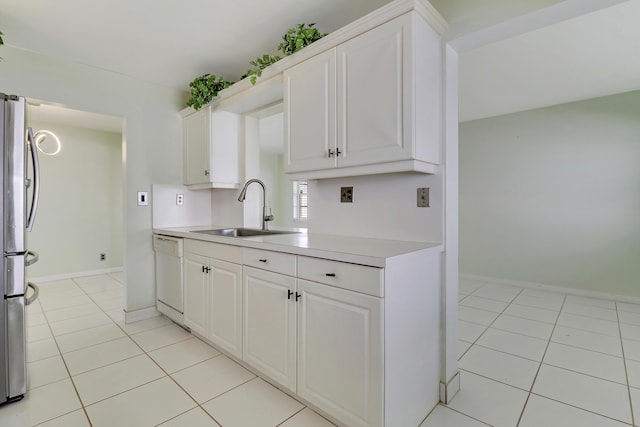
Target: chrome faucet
column 266, row 216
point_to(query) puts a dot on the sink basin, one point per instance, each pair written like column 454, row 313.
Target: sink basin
column 243, row 232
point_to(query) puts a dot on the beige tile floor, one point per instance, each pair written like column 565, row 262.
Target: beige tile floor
column 87, row 368
column 527, row 358
column 531, row 358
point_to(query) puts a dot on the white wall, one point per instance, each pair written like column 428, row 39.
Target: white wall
column 152, row 148
column 384, row 207
column 80, row 209
column 552, row 196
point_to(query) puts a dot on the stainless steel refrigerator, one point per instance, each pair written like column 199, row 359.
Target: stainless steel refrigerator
column 20, row 187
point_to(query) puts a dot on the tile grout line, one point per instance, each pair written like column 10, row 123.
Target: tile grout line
column 167, row 374
column 486, row 328
column 626, row 372
column 84, row 407
column 64, row 361
column 70, row 377
column 144, row 352
column 535, row 377
column 457, row 411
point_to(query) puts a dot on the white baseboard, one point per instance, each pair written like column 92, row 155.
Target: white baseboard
column 67, row 276
column 142, row 314
column 450, row 389
column 552, row 288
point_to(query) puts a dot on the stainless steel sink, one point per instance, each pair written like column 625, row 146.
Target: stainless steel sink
column 243, row 232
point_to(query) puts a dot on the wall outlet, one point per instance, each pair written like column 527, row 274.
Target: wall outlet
column 179, row 199
column 423, row 197
column 103, row 257
column 346, row 194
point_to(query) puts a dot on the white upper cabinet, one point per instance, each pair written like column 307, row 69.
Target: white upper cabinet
column 309, row 93
column 370, row 105
column 211, row 146
column 371, row 95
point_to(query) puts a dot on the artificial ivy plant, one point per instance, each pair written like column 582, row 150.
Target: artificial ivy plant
column 204, row 88
column 207, row 86
column 259, row 64
column 298, row 37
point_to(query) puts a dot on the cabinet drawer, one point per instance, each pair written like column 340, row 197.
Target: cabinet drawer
column 219, row 251
column 277, row 262
column 359, row 278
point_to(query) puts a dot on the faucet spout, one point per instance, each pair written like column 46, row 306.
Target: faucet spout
column 266, row 216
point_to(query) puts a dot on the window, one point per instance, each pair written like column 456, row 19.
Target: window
column 300, row 199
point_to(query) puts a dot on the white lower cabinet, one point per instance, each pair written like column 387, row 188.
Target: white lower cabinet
column 270, row 325
column 225, row 306
column 196, row 284
column 359, row 343
column 340, row 353
column 213, row 297
column 319, row 341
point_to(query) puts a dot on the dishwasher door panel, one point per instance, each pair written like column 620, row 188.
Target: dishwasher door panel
column 169, row 280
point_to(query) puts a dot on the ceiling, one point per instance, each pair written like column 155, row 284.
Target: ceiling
column 504, row 67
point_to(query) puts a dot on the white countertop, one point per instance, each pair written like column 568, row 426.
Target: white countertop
column 357, row 250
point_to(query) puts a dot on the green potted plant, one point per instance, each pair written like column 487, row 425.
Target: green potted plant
column 259, row 64
column 298, row 37
column 205, row 88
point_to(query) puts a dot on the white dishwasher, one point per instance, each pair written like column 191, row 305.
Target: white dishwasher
column 169, row 268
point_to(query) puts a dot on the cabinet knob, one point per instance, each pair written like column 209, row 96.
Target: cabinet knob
column 338, row 152
column 289, row 294
column 206, row 172
column 262, row 260
column 298, row 296
column 330, row 153
column 330, row 274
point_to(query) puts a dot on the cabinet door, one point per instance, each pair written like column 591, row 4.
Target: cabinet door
column 225, row 143
column 196, row 136
column 225, row 306
column 340, row 353
column 269, row 325
column 309, row 99
column 373, row 77
column 196, row 283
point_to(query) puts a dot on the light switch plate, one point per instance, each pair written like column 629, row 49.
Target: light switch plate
column 143, row 198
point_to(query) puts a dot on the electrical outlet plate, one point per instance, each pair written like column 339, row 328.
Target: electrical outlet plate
column 346, row 194
column 423, row 197
column 179, row 199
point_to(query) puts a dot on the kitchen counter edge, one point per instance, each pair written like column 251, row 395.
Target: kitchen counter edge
column 355, row 250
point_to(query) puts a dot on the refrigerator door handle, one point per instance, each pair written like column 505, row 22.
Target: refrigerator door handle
column 36, row 291
column 36, row 178
column 34, row 258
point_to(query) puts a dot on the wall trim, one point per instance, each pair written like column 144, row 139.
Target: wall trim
column 553, row 288
column 142, row 314
column 66, row 276
column 450, row 389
